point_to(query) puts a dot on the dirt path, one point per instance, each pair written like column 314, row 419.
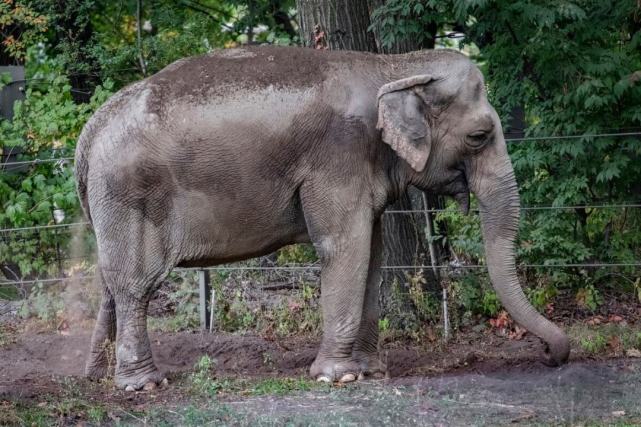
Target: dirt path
column 449, row 386
column 577, row 393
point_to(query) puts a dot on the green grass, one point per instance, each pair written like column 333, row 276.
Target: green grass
column 204, row 382
column 605, row 338
column 52, row 410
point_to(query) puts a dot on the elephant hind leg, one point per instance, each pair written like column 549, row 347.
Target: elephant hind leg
column 133, row 258
column 101, row 354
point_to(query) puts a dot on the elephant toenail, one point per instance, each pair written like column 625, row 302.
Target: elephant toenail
column 361, row 376
column 130, row 388
column 164, row 382
column 323, row 379
column 348, row 378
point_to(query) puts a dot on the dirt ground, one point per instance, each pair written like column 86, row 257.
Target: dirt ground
column 486, row 380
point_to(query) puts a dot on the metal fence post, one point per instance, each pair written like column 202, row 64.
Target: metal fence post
column 429, row 234
column 204, row 288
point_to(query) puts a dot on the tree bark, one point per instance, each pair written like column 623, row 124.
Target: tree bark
column 344, row 25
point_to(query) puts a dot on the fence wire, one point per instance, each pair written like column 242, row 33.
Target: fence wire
column 585, row 136
column 248, row 268
column 406, row 211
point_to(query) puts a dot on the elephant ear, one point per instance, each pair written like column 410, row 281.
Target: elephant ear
column 402, row 119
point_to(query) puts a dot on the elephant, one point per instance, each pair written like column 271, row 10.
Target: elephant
column 238, row 152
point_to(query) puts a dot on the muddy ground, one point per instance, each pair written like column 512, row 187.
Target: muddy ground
column 475, row 380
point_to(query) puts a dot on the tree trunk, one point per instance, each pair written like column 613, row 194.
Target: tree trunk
column 344, row 25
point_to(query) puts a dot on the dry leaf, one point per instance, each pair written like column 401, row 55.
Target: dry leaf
column 615, row 318
column 596, row 320
column 518, row 333
column 615, row 344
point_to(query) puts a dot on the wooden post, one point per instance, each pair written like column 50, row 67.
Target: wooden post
column 204, row 293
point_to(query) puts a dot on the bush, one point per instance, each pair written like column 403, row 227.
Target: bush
column 46, row 124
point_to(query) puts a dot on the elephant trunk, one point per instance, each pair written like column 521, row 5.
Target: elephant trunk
column 498, row 197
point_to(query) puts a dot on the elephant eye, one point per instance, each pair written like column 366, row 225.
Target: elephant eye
column 477, row 139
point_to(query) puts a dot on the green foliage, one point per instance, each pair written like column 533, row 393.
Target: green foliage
column 170, row 30
column 619, row 338
column 463, row 232
column 474, row 294
column 383, row 324
column 573, row 68
column 426, row 305
column 541, row 296
column 233, row 313
column 295, row 315
column 398, row 20
column 46, row 124
column 594, row 343
column 296, row 254
column 42, row 304
column 183, row 297
column 204, row 382
column 21, row 26
column 589, row 297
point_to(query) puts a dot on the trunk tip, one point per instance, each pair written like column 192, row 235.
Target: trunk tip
column 557, row 352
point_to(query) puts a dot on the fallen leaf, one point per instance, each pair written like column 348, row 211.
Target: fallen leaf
column 615, row 344
column 618, row 413
column 596, row 320
column 518, row 333
column 615, row 318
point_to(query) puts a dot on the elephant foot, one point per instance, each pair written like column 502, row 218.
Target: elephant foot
column 96, row 372
column 334, row 370
column 98, row 366
column 370, row 366
column 146, row 380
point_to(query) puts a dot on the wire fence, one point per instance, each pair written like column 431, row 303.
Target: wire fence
column 295, row 268
column 585, row 136
column 6, row 233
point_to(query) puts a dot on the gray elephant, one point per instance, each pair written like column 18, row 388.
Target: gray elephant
column 234, row 154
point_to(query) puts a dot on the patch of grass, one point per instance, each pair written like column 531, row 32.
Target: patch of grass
column 283, row 386
column 594, row 343
column 617, row 338
column 52, row 411
column 204, row 382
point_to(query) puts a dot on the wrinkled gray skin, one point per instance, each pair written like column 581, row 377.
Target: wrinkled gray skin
column 237, row 153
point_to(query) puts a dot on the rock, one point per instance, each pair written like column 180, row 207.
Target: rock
column 633, row 352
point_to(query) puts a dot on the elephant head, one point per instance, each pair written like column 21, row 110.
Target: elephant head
column 443, row 126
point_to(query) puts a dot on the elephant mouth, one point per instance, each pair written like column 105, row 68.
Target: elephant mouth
column 458, row 189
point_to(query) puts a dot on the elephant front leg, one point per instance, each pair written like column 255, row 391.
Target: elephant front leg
column 345, row 261
column 366, row 346
column 101, row 354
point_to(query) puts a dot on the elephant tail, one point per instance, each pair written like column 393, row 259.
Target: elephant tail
column 81, row 169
